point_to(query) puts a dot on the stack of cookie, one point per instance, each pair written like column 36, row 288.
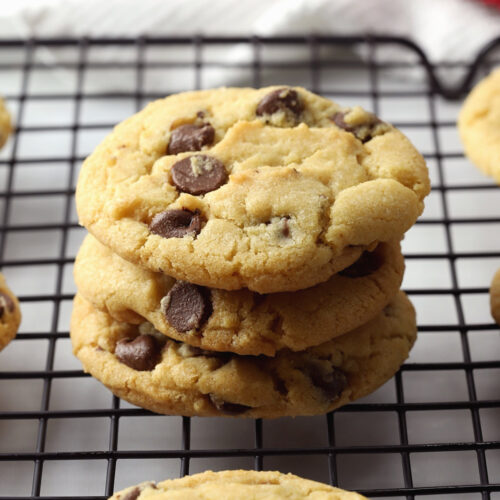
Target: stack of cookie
column 244, row 256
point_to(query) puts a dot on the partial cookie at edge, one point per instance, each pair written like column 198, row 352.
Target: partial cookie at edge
column 479, row 125
column 495, row 297
column 10, row 314
column 236, row 485
column 5, row 123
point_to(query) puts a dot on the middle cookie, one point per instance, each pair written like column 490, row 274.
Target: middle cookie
column 240, row 321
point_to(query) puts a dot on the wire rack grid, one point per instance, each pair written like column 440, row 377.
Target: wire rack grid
column 433, row 430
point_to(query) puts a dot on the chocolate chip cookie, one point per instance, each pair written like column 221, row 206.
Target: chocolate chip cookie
column 479, row 125
column 240, row 321
column 5, row 123
column 10, row 314
column 275, row 189
column 150, row 370
column 236, row 485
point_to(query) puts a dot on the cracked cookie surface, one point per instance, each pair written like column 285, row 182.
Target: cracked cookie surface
column 185, row 380
column 479, row 125
column 5, row 123
column 272, row 190
column 236, row 485
column 240, row 321
column 10, row 314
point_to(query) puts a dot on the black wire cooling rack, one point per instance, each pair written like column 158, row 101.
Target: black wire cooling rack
column 433, row 430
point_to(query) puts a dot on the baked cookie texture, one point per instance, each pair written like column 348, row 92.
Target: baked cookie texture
column 479, row 125
column 5, row 123
column 236, row 485
column 150, row 370
column 240, row 321
column 495, row 297
column 10, row 314
column 275, row 189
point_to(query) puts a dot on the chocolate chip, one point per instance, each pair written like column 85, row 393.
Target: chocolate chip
column 198, row 174
column 141, row 353
column 285, row 227
column 132, row 494
column 176, row 223
column 363, row 132
column 332, row 383
column 338, row 119
column 280, row 100
column 368, row 263
column 228, row 408
column 186, row 306
column 6, row 302
column 190, row 137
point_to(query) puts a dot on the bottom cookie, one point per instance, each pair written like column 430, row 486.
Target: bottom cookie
column 236, row 485
column 146, row 368
column 10, row 314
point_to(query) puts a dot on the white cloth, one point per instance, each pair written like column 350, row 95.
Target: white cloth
column 445, row 29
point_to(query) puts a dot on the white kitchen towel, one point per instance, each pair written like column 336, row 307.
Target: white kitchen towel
column 446, row 29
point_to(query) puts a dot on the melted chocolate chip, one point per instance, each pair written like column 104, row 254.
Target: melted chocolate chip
column 141, row 353
column 190, row 137
column 285, row 227
column 362, row 132
column 176, row 223
column 6, row 302
column 338, row 119
column 132, row 494
column 228, row 408
column 332, row 383
column 198, row 174
column 187, row 306
column 367, row 264
column 280, row 100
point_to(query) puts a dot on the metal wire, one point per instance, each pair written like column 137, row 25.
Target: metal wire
column 314, row 65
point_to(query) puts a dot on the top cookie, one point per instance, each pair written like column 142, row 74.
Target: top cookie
column 273, row 189
column 236, row 485
column 5, row 123
column 479, row 125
